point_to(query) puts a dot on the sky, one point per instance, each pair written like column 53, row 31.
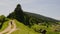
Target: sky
column 49, row 8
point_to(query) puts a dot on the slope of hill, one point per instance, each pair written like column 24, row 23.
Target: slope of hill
column 41, row 17
column 36, row 22
column 29, row 18
column 20, row 28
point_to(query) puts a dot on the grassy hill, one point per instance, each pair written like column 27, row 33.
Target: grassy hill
column 35, row 29
column 21, row 28
column 31, row 23
column 34, row 21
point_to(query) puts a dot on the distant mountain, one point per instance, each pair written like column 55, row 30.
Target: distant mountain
column 29, row 18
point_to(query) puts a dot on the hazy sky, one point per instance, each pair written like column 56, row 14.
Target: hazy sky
column 50, row 8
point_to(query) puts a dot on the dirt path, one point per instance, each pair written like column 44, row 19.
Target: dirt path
column 9, row 29
column 13, row 29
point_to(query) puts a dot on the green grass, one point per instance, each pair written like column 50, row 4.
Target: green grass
column 52, row 32
column 50, row 29
column 22, row 29
column 4, row 26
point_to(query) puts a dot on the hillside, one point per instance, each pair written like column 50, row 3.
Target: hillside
column 41, row 17
column 36, row 22
column 30, row 18
column 20, row 28
column 35, row 29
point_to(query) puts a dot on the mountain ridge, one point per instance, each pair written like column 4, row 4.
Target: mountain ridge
column 29, row 18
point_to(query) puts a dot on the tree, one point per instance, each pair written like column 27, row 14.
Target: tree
column 2, row 20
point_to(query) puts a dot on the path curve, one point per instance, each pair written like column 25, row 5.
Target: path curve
column 9, row 30
column 13, row 29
